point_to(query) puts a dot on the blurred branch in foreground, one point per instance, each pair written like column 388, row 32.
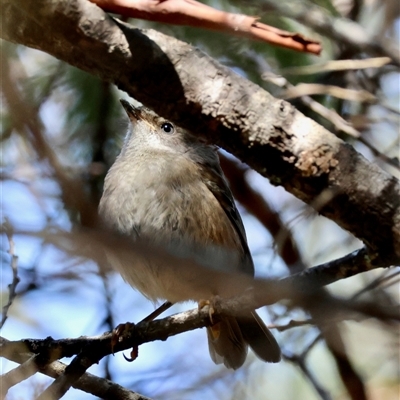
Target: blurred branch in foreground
column 301, row 292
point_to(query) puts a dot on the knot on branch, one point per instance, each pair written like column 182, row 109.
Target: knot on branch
column 317, row 162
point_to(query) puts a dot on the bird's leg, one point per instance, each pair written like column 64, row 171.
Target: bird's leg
column 121, row 328
column 118, row 332
column 215, row 327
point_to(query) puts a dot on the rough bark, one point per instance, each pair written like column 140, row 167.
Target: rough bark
column 184, row 84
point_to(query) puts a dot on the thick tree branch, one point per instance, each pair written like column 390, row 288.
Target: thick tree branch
column 97, row 347
column 185, row 85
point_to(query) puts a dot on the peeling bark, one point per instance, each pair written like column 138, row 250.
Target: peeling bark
column 185, row 85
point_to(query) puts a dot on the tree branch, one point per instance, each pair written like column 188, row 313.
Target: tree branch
column 185, row 85
column 342, row 30
column 194, row 13
column 303, row 290
column 91, row 350
column 12, row 287
column 96, row 243
column 100, row 387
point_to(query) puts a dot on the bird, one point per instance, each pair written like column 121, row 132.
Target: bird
column 167, row 185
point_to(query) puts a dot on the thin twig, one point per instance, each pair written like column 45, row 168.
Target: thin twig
column 330, row 115
column 308, row 89
column 375, row 283
column 109, row 319
column 341, row 30
column 14, row 268
column 394, row 162
column 291, row 324
column 337, row 65
column 300, row 362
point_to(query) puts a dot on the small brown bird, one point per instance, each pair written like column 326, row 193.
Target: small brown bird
column 166, row 185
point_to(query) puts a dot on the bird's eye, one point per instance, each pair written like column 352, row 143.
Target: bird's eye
column 167, row 127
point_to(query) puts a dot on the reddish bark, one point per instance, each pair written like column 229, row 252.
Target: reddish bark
column 193, row 13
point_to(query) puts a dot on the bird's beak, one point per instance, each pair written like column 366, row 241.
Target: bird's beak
column 133, row 113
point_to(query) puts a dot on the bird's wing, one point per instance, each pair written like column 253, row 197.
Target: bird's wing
column 217, row 184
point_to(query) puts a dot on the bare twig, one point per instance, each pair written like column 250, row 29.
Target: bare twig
column 337, row 65
column 330, row 115
column 342, row 30
column 14, row 268
column 348, row 374
column 291, row 324
column 193, row 13
column 352, row 264
column 109, row 319
column 394, row 162
column 385, row 278
column 307, row 89
column 300, row 362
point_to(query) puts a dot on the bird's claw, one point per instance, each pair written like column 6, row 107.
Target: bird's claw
column 211, row 306
column 116, row 336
